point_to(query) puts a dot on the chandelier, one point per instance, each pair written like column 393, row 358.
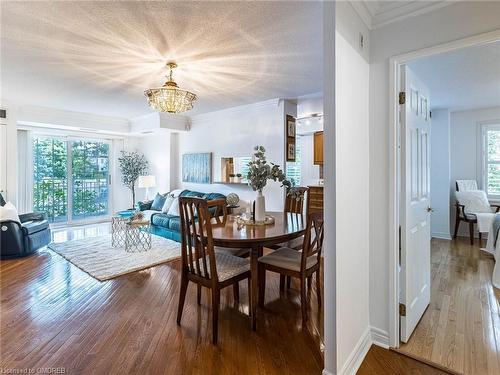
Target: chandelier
column 169, row 98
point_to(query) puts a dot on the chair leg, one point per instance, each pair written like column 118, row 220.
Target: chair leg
column 288, row 282
column 262, row 285
column 471, row 233
column 236, row 291
column 480, row 238
column 318, row 287
column 282, row 284
column 249, row 296
column 215, row 315
column 198, row 294
column 457, row 223
column 303, row 299
column 182, row 298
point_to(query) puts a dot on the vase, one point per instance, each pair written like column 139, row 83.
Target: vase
column 260, row 207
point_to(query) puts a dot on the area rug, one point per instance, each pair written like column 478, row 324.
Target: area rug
column 99, row 259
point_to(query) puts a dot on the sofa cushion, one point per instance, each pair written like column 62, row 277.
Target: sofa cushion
column 174, row 223
column 174, row 209
column 214, row 196
column 190, row 193
column 31, row 227
column 168, row 203
column 160, row 219
column 158, row 202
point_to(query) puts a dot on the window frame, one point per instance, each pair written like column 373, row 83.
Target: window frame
column 484, row 128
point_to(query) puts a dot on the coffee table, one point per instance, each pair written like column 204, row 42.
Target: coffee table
column 137, row 236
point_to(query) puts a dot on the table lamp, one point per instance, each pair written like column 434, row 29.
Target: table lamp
column 147, row 182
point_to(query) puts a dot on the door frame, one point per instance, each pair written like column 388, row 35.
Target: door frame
column 394, row 173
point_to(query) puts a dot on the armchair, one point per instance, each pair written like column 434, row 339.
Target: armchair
column 461, row 215
column 24, row 238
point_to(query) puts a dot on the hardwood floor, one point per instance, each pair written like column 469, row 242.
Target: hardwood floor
column 381, row 361
column 461, row 328
column 55, row 315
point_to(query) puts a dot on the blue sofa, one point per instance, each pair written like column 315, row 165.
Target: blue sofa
column 169, row 226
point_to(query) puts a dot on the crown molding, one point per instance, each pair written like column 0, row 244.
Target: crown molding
column 375, row 15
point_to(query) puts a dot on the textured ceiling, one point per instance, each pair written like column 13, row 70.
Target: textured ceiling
column 98, row 57
column 463, row 79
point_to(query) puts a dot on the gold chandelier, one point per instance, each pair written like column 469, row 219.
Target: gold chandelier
column 169, row 98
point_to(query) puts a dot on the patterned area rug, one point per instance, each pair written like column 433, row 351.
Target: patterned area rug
column 99, row 259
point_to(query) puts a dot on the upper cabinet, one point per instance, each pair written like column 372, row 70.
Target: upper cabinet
column 318, row 148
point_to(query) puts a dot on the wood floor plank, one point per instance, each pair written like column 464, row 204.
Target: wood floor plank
column 461, row 328
column 53, row 314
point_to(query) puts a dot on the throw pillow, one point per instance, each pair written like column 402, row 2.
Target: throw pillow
column 158, row 202
column 475, row 201
column 168, row 203
column 9, row 212
column 174, row 208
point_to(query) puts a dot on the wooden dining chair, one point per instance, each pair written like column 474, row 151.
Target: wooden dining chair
column 294, row 203
column 301, row 265
column 200, row 263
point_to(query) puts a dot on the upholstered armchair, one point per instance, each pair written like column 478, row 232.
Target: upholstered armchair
column 24, row 238
column 460, row 210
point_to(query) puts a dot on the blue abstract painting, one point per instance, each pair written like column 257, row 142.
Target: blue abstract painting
column 197, row 168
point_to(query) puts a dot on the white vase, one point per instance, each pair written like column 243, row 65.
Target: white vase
column 260, row 207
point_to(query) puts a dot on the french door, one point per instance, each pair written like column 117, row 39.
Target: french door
column 71, row 180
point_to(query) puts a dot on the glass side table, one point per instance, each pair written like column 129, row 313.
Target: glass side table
column 137, row 236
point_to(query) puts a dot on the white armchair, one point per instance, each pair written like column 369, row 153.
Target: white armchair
column 469, row 206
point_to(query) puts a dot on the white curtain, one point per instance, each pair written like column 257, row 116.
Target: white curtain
column 25, row 171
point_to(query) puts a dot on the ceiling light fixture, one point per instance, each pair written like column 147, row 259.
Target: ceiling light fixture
column 169, row 98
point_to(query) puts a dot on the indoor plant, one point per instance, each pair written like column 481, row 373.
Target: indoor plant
column 259, row 172
column 132, row 165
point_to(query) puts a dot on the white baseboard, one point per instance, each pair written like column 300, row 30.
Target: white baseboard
column 442, row 235
column 357, row 356
column 380, row 337
column 326, row 372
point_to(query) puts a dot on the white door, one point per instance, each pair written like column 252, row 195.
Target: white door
column 415, row 202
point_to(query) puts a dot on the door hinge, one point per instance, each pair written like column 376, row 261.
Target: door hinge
column 402, row 97
column 402, row 309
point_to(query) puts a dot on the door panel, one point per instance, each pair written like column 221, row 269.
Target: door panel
column 415, row 203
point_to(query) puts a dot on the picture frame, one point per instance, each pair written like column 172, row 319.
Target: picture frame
column 290, row 151
column 290, row 126
column 290, row 138
column 197, row 168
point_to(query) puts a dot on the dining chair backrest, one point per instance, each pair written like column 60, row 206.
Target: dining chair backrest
column 197, row 247
column 466, row 185
column 218, row 210
column 295, row 198
column 313, row 238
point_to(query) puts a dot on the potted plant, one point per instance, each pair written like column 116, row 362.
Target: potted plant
column 132, row 165
column 259, row 172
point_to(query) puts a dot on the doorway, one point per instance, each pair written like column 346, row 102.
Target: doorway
column 458, row 272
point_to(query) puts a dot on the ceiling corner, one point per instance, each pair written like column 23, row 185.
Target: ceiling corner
column 364, row 12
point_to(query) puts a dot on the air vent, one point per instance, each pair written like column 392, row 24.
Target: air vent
column 3, row 113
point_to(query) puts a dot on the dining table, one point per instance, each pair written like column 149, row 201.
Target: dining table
column 231, row 233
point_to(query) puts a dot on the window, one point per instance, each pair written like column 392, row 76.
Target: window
column 293, row 168
column 70, row 178
column 491, row 159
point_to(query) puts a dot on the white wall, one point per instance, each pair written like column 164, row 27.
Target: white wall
column 234, row 132
column 309, row 173
column 464, row 151
column 440, row 174
column 459, row 20
column 156, row 149
column 352, row 181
